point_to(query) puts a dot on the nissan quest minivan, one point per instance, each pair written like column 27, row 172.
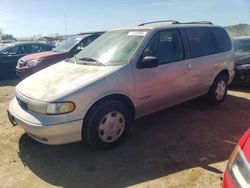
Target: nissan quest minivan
column 123, row 75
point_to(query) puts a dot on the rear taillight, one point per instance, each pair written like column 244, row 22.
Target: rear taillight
column 239, row 168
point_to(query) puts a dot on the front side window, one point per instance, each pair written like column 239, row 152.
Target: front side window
column 201, row 42
column 45, row 48
column 113, row 47
column 36, row 48
column 166, row 46
column 26, row 49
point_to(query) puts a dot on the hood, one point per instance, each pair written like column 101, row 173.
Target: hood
column 242, row 58
column 61, row 79
column 42, row 55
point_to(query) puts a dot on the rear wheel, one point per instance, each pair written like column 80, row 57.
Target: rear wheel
column 106, row 124
column 218, row 90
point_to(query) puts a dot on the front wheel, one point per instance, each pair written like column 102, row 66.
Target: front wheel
column 107, row 124
column 218, row 90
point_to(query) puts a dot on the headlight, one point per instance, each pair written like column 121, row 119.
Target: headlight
column 20, row 63
column 243, row 67
column 51, row 108
column 32, row 63
column 239, row 168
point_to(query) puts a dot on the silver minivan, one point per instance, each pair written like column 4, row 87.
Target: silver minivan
column 123, row 75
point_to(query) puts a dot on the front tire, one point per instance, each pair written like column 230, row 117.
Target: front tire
column 106, row 124
column 218, row 90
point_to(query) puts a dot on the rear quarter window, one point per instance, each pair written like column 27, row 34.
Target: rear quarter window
column 201, row 42
column 222, row 40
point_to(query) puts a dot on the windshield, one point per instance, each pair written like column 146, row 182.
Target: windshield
column 114, row 47
column 242, row 45
column 4, row 46
column 67, row 45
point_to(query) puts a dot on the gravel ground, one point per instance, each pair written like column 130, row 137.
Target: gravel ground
column 184, row 146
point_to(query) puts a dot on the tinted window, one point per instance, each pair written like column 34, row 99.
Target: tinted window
column 200, row 42
column 26, row 49
column 86, row 41
column 36, row 48
column 222, row 40
column 45, row 48
column 166, row 46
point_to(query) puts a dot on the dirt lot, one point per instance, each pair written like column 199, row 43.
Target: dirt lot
column 185, row 146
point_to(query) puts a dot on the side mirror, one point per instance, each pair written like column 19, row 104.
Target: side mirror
column 4, row 53
column 149, row 62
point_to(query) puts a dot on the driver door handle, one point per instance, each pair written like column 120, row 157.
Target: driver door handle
column 189, row 66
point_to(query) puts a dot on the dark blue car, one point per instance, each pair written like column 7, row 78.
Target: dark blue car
column 10, row 53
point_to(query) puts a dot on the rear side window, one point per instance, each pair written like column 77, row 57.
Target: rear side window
column 222, row 40
column 201, row 42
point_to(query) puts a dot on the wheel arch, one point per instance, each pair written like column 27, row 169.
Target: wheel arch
column 224, row 72
column 115, row 96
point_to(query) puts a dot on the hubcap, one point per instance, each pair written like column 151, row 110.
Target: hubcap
column 111, row 126
column 220, row 90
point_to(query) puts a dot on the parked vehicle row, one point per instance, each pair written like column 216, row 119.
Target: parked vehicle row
column 122, row 75
column 11, row 53
column 30, row 64
column 242, row 59
column 24, row 59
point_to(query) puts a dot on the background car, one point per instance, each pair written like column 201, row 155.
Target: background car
column 10, row 53
column 242, row 59
column 35, row 62
column 237, row 173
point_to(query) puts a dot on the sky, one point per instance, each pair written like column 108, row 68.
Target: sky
column 25, row 18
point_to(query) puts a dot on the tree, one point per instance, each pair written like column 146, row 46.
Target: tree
column 1, row 33
column 8, row 37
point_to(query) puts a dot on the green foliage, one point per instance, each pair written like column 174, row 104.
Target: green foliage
column 8, row 37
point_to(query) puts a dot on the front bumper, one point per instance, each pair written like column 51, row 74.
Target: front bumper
column 24, row 72
column 42, row 131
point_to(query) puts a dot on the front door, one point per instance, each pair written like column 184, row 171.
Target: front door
column 9, row 60
column 163, row 85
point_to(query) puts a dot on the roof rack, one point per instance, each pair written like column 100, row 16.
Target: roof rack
column 198, row 22
column 92, row 32
column 170, row 21
column 176, row 22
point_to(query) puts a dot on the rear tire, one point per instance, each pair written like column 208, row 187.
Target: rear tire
column 218, row 90
column 106, row 124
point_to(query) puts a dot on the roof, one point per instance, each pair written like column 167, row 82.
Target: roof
column 18, row 43
column 241, row 38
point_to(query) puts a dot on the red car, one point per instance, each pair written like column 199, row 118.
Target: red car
column 237, row 173
column 30, row 64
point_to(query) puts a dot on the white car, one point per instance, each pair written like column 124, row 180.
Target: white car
column 123, row 75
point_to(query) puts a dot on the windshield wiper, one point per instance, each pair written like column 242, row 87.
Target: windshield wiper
column 89, row 61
